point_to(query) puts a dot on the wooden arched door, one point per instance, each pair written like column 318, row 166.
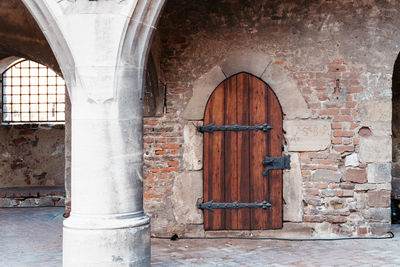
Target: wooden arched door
column 233, row 158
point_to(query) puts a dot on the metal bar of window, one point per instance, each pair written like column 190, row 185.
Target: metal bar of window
column 21, row 103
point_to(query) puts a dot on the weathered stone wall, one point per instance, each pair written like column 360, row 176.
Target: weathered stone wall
column 32, row 162
column 340, row 57
column 31, row 156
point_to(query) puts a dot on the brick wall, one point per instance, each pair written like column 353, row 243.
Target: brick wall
column 341, row 56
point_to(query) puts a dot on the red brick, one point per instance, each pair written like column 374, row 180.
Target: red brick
column 353, row 90
column 167, row 170
column 336, row 68
column 160, row 152
column 150, row 122
column 173, row 163
column 362, row 230
column 342, row 118
column 171, row 146
column 329, row 112
column 343, row 148
column 345, row 111
column 326, row 162
column 343, row 134
column 323, row 186
column 351, row 104
column 172, row 151
column 337, row 141
column 314, row 218
column 336, row 219
column 347, row 186
column 150, row 195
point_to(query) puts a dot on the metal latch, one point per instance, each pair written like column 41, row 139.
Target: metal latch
column 276, row 164
column 210, row 205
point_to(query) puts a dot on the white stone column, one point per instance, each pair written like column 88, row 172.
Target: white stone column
column 107, row 225
column 101, row 47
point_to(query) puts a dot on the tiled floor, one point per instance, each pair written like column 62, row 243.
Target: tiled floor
column 32, row 237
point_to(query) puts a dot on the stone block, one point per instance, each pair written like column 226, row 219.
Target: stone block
column 292, row 101
column 202, row 90
column 5, row 203
column 251, row 62
column 46, row 201
column 313, row 201
column 31, row 202
column 375, row 111
column 379, row 229
column 379, row 173
column 378, row 214
column 365, row 187
column 358, row 176
column 361, row 199
column 292, row 191
column 376, row 149
column 192, row 147
column 352, row 160
column 310, row 135
column 326, row 176
column 186, row 191
column 379, row 199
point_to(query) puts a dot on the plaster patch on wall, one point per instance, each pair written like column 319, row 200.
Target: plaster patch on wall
column 187, row 189
column 192, row 147
column 310, row 135
column 293, row 191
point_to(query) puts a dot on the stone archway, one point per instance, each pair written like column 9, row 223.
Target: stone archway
column 293, row 105
column 261, row 66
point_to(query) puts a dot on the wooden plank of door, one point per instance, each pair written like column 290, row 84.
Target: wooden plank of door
column 243, row 145
column 258, row 150
column 231, row 151
column 275, row 150
column 214, row 160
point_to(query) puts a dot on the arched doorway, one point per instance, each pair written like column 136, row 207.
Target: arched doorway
column 233, row 158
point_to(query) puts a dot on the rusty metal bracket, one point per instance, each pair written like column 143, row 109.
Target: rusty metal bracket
column 210, row 128
column 276, row 164
column 211, row 205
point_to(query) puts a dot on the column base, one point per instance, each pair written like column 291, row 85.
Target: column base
column 106, row 241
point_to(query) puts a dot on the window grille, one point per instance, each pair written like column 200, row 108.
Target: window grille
column 32, row 93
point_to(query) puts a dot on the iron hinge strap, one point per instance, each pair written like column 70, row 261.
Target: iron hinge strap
column 276, row 164
column 210, row 205
column 210, row 128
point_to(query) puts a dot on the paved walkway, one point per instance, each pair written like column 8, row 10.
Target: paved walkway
column 32, row 237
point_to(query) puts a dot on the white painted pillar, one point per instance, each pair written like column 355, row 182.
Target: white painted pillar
column 102, row 47
column 107, row 224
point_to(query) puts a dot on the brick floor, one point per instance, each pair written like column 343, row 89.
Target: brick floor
column 33, row 236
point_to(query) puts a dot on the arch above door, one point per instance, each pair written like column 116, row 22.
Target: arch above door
column 260, row 65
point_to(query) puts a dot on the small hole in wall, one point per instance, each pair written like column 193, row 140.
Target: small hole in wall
column 364, row 132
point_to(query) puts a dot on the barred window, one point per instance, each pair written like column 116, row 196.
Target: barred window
column 32, row 93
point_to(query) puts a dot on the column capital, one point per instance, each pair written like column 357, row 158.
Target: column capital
column 94, row 41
